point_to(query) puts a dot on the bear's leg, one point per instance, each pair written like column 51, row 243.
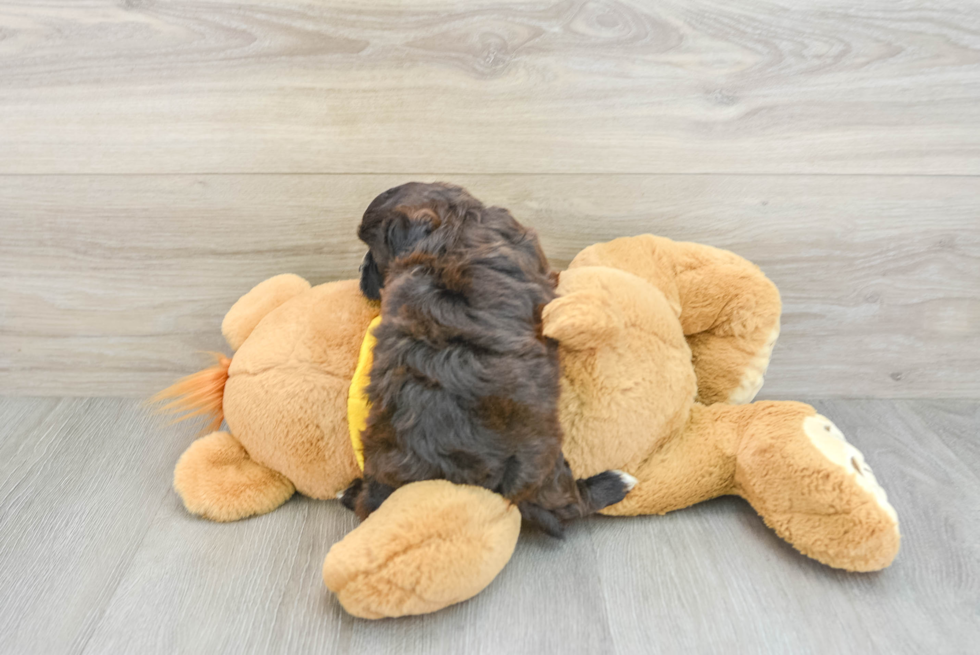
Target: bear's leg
column 728, row 309
column 791, row 464
column 730, row 316
column 217, row 480
column 731, row 369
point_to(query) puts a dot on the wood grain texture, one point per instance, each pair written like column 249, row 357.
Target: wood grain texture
column 100, row 558
column 112, row 284
column 526, row 86
column 185, row 566
column 80, row 481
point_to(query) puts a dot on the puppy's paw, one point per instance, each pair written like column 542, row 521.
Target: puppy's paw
column 628, row 480
column 348, row 497
column 608, row 488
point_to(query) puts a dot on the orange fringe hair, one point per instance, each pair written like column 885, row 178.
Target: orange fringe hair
column 197, row 394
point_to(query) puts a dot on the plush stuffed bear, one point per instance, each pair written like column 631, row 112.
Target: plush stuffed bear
column 662, row 345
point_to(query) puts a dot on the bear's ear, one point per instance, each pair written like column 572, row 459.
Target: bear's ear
column 582, row 320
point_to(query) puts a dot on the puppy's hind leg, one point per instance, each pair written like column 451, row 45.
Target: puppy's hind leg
column 563, row 498
column 544, row 519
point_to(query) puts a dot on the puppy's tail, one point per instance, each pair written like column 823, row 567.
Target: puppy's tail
column 200, row 393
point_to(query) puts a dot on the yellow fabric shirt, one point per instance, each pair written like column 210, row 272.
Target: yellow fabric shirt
column 358, row 405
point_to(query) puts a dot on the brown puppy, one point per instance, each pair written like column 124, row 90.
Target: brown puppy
column 464, row 386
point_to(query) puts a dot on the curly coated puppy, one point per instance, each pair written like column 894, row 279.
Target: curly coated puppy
column 464, row 386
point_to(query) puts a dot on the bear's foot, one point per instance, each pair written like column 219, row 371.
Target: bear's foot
column 816, row 490
column 828, row 438
column 217, row 480
column 431, row 544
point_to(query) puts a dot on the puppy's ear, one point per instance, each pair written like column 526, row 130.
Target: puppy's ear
column 581, row 320
column 371, row 278
column 408, row 226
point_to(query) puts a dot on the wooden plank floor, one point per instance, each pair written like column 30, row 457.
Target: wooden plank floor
column 880, row 275
column 98, row 556
column 489, row 86
column 159, row 158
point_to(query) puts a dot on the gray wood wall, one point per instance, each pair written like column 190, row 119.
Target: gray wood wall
column 157, row 159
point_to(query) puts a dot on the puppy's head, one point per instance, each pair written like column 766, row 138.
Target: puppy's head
column 403, row 220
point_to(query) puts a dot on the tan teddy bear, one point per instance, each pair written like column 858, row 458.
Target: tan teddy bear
column 661, row 344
